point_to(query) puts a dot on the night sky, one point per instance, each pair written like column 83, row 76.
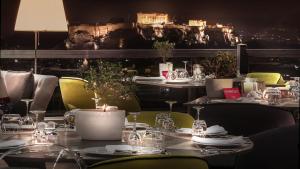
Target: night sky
column 251, row 14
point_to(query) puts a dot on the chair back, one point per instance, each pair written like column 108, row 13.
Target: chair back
column 267, row 77
column 153, row 162
column 245, row 118
column 277, row 148
column 74, row 94
column 182, row 120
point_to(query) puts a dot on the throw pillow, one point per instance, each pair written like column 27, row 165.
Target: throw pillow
column 18, row 85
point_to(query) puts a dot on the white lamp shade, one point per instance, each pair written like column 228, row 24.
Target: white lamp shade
column 41, row 15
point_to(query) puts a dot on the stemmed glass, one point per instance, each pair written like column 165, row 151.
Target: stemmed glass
column 170, row 102
column 168, row 123
column 97, row 99
column 185, row 63
column 134, row 138
column 27, row 120
column 199, row 126
column 37, row 113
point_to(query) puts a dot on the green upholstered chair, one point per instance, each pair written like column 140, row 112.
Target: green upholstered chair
column 267, row 77
column 182, row 120
column 153, row 162
column 75, row 95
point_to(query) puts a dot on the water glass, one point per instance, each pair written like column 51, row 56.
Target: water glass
column 198, row 128
column 134, row 138
column 11, row 122
column 159, row 140
column 69, row 118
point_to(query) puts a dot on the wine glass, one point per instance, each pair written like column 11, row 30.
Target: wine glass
column 37, row 113
column 185, row 63
column 199, row 126
column 134, row 138
column 97, row 99
column 170, row 102
column 27, row 120
column 168, row 123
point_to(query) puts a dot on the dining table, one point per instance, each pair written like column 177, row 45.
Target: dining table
column 287, row 103
column 191, row 86
column 39, row 154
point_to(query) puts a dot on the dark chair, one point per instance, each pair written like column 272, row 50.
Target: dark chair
column 244, row 118
column 273, row 149
column 153, row 162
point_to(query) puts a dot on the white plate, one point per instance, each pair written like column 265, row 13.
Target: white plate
column 11, row 144
column 217, row 134
column 219, row 141
column 179, row 81
column 102, row 151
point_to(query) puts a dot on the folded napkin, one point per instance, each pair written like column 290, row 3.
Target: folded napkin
column 130, row 149
column 185, row 130
column 237, row 140
column 215, row 129
column 11, row 143
column 120, row 148
column 138, row 125
column 144, row 78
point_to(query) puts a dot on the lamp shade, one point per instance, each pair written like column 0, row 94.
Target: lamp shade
column 41, row 15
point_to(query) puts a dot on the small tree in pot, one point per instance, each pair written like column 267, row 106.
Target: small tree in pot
column 223, row 67
column 164, row 49
column 109, row 81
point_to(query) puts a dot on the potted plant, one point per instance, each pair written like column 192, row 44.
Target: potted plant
column 221, row 68
column 112, row 85
column 109, row 81
column 164, row 49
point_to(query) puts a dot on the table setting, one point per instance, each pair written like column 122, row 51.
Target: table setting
column 137, row 139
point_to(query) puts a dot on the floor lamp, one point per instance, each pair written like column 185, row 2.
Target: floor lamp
column 41, row 16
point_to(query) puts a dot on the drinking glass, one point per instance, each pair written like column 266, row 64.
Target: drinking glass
column 185, row 63
column 27, row 120
column 199, row 126
column 148, row 137
column 168, row 123
column 134, row 138
column 159, row 119
column 295, row 88
column 37, row 113
column 170, row 102
column 11, row 122
column 181, row 73
column 96, row 99
column 69, row 118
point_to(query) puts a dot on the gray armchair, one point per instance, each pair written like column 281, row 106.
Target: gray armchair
column 27, row 85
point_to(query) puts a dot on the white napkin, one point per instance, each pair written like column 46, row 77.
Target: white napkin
column 184, row 130
column 144, row 78
column 138, row 125
column 128, row 148
column 215, row 129
column 11, row 125
column 218, row 141
column 114, row 148
column 11, row 143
